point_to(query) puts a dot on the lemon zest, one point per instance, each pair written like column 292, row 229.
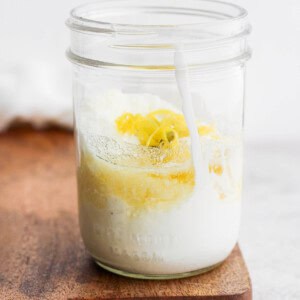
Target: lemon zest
column 216, row 168
column 160, row 128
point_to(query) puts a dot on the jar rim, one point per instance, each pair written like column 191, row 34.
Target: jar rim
column 101, row 35
column 79, row 20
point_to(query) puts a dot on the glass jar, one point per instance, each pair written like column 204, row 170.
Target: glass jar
column 158, row 98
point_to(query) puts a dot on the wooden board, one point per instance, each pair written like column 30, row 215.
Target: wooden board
column 41, row 252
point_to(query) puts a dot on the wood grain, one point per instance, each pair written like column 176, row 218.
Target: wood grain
column 42, row 255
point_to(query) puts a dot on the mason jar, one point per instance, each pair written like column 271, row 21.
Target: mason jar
column 158, row 91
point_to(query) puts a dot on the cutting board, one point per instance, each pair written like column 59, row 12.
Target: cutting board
column 41, row 252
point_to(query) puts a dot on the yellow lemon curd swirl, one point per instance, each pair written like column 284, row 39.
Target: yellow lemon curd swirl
column 140, row 188
column 144, row 188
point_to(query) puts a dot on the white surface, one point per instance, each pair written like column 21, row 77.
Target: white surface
column 270, row 235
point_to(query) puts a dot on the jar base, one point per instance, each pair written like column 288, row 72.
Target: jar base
column 154, row 276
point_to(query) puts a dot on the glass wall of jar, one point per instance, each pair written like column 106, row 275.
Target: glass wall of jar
column 158, row 98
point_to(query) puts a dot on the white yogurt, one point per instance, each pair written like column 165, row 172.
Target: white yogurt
column 197, row 231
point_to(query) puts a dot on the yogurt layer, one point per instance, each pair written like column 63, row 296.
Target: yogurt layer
column 139, row 208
